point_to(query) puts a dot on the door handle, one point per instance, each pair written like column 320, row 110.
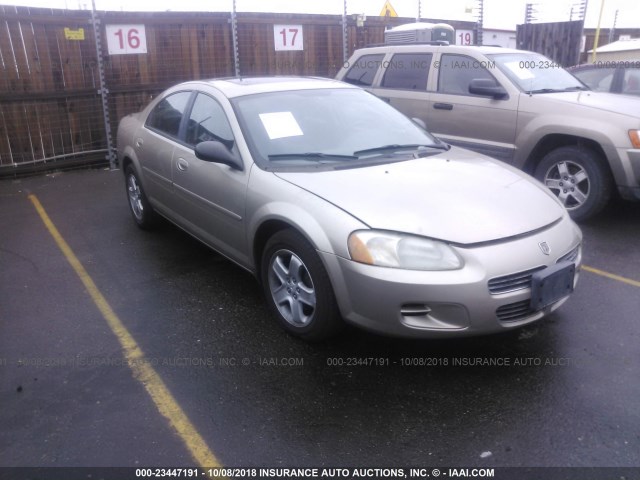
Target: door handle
column 139, row 142
column 443, row 106
column 182, row 165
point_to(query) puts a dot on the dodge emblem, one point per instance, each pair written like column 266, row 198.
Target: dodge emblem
column 544, row 246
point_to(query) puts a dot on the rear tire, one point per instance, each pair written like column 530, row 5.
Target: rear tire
column 141, row 210
column 579, row 178
column 297, row 288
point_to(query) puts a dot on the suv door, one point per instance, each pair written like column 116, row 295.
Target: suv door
column 404, row 83
column 481, row 123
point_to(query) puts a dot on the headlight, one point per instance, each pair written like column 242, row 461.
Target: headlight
column 397, row 250
column 634, row 136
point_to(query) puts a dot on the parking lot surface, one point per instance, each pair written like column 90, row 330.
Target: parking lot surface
column 563, row 392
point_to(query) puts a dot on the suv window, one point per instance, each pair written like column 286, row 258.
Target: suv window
column 598, row 79
column 631, row 81
column 208, row 121
column 457, row 71
column 167, row 115
column 364, row 70
column 407, row 71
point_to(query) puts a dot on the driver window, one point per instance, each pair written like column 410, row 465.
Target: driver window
column 457, row 71
column 208, row 121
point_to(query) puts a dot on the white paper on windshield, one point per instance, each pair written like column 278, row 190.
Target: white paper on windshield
column 521, row 73
column 280, row 125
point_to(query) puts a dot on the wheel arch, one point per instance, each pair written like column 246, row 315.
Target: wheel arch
column 265, row 231
column 550, row 142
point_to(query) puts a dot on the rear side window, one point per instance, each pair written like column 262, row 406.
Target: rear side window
column 364, row 70
column 167, row 115
column 407, row 71
column 631, row 81
column 457, row 71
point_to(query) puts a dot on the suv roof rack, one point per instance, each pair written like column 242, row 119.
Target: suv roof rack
column 433, row 42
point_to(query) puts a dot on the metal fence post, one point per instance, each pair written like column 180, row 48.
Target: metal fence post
column 234, row 35
column 345, row 36
column 103, row 92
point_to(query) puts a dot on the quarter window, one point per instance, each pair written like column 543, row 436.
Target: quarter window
column 408, row 71
column 167, row 115
column 631, row 81
column 364, row 70
column 457, row 71
column 208, row 121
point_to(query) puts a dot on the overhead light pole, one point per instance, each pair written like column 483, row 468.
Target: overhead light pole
column 595, row 43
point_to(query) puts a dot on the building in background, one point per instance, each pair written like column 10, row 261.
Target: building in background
column 619, row 50
column 501, row 38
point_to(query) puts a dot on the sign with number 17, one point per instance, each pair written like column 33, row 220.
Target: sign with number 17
column 288, row 37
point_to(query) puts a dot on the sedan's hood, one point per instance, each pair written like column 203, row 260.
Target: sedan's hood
column 457, row 196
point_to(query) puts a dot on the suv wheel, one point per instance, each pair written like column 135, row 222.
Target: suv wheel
column 578, row 178
column 297, row 287
column 141, row 210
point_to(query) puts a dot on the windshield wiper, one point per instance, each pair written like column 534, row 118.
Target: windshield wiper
column 557, row 90
column 395, row 147
column 545, row 90
column 310, row 156
column 577, row 87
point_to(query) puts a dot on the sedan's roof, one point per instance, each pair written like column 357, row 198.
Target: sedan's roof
column 239, row 86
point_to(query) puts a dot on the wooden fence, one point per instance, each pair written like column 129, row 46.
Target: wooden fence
column 51, row 110
column 559, row 41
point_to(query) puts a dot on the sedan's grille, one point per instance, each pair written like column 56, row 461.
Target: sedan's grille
column 572, row 256
column 512, row 282
column 514, row 311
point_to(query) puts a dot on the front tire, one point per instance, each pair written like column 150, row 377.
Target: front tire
column 578, row 177
column 297, row 287
column 141, row 210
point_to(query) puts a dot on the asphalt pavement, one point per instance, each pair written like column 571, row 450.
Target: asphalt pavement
column 563, row 392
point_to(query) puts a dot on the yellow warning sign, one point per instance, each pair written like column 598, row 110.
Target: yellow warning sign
column 74, row 34
column 388, row 10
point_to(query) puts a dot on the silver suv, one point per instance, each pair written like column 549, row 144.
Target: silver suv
column 516, row 106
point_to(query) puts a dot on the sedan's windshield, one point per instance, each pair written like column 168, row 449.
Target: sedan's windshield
column 328, row 126
column 534, row 73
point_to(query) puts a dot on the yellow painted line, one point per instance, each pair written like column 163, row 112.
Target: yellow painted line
column 142, row 371
column 612, row 276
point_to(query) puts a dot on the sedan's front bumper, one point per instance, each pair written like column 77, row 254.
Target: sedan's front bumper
column 452, row 303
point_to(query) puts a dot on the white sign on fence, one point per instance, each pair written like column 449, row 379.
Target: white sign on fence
column 288, row 37
column 126, row 39
column 464, row 37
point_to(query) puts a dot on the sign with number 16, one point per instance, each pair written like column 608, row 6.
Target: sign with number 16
column 126, row 39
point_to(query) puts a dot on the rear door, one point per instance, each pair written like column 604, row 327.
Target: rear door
column 154, row 144
column 403, row 83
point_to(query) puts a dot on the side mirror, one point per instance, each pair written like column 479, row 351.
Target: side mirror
column 487, row 88
column 419, row 122
column 215, row 152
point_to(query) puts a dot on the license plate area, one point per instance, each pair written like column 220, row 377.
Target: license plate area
column 551, row 284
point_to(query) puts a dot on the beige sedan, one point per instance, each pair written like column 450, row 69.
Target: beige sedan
column 346, row 210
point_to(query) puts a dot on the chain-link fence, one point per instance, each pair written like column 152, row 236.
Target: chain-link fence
column 68, row 76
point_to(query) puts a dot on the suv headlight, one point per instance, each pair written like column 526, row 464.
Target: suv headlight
column 398, row 250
